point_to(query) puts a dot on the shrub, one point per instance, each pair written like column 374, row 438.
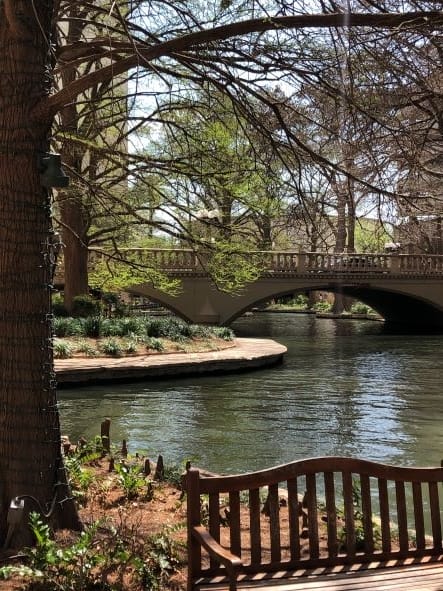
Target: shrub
column 131, row 325
column 322, row 306
column 300, row 301
column 96, row 560
column 58, row 305
column 109, row 327
column 223, row 332
column 170, row 327
column 200, row 331
column 154, row 344
column 112, row 305
column 360, row 308
column 131, row 347
column 111, row 347
column 66, row 326
column 85, row 305
column 62, row 349
column 87, row 349
column 154, row 327
column 92, row 327
column 131, row 479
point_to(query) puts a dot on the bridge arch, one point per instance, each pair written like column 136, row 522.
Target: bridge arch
column 410, row 302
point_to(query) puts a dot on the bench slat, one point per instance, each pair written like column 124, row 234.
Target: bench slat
column 234, row 522
column 366, row 508
column 214, row 521
column 435, row 514
column 311, row 503
column 417, row 499
column 402, row 516
column 331, row 514
column 384, row 514
column 348, row 500
column 293, row 519
column 274, row 523
column 254, row 524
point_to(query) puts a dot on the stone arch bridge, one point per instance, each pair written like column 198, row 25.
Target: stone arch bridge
column 406, row 289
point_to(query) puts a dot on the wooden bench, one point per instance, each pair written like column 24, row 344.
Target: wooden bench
column 332, row 523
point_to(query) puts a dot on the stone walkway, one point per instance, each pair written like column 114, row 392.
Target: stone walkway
column 245, row 354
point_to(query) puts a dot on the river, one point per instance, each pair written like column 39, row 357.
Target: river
column 344, row 388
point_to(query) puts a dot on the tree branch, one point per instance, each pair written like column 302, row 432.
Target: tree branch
column 142, row 55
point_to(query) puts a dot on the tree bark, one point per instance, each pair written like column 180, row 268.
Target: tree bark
column 75, row 241
column 31, row 463
column 74, row 219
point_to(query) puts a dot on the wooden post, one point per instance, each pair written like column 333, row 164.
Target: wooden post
column 159, row 469
column 192, row 486
column 124, row 450
column 104, row 434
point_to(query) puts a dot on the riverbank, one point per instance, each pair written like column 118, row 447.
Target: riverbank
column 245, row 354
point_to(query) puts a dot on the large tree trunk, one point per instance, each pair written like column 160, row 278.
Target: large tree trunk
column 31, row 464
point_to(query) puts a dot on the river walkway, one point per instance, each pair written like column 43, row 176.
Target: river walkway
column 246, row 354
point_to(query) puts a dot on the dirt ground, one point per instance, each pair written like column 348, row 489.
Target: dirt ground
column 131, row 519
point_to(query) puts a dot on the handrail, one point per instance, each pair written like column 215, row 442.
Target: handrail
column 186, row 260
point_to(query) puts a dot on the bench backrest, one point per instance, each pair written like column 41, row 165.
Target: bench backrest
column 319, row 512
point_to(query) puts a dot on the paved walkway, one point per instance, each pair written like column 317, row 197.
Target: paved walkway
column 245, row 354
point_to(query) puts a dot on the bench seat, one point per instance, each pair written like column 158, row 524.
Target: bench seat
column 418, row 576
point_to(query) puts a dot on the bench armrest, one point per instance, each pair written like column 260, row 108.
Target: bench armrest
column 230, row 561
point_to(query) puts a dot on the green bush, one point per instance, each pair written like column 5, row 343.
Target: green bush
column 223, row 332
column 62, row 349
column 154, row 344
column 300, row 301
column 169, row 328
column 322, row 307
column 58, row 305
column 109, row 327
column 66, row 326
column 131, row 347
column 87, row 349
column 92, row 327
column 131, row 479
column 84, row 306
column 95, row 561
column 111, row 347
column 200, row 331
column 360, row 308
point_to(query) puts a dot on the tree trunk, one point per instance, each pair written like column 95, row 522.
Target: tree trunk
column 73, row 214
column 31, row 464
column 74, row 237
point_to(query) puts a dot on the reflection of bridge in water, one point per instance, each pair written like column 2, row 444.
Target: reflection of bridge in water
column 406, row 289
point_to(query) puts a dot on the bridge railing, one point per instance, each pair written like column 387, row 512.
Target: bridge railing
column 186, row 260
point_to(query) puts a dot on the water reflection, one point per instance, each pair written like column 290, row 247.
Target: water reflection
column 345, row 388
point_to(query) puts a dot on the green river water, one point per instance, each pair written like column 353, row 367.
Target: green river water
column 344, row 388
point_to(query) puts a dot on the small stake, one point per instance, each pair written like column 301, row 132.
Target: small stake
column 105, row 437
column 159, row 469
